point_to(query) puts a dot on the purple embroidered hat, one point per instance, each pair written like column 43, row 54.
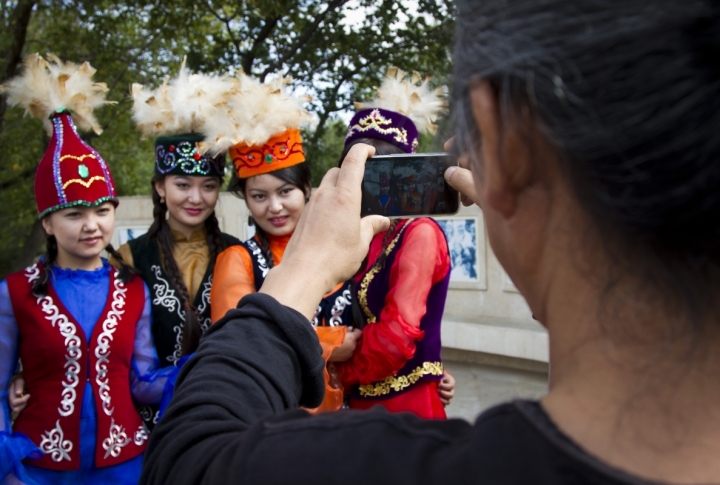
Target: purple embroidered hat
column 402, row 110
column 386, row 125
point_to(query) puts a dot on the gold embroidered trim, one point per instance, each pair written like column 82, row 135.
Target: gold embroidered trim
column 82, row 182
column 376, row 121
column 80, row 158
column 365, row 283
column 398, row 383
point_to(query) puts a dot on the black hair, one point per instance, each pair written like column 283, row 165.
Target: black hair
column 297, row 175
column 629, row 95
column 40, row 285
column 382, row 147
column 160, row 231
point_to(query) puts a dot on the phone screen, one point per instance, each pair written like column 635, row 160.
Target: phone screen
column 408, row 185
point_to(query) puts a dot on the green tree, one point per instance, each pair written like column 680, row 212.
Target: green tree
column 335, row 51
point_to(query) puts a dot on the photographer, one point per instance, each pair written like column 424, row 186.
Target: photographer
column 599, row 181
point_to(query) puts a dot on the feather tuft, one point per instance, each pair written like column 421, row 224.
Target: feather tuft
column 411, row 97
column 46, row 86
column 185, row 104
column 254, row 113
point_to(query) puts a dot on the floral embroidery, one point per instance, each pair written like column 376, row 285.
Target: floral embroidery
column 102, row 351
column 375, row 121
column 117, row 440
column 398, row 383
column 53, row 443
column 141, row 435
column 72, row 342
column 257, row 252
column 165, row 296
column 338, row 308
column 365, row 283
column 205, row 303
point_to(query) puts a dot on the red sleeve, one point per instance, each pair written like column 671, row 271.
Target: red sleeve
column 387, row 344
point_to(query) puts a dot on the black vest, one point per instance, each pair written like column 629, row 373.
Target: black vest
column 335, row 309
column 168, row 316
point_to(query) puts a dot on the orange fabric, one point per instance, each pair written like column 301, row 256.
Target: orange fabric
column 330, row 339
column 233, row 276
column 386, row 345
column 280, row 151
column 422, row 399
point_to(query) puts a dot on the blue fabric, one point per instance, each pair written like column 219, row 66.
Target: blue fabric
column 149, row 383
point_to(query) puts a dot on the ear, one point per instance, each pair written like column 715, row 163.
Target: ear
column 45, row 221
column 160, row 187
column 506, row 164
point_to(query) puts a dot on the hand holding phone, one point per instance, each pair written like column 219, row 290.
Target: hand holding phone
column 408, row 185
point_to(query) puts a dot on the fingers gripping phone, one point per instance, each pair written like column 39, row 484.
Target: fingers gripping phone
column 408, row 185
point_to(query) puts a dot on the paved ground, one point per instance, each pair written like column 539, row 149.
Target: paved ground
column 482, row 386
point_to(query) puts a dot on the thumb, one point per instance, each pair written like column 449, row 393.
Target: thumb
column 371, row 225
column 461, row 179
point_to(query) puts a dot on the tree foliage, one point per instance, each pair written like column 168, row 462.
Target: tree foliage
column 335, row 51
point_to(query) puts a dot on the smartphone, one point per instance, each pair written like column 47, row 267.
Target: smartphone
column 408, row 185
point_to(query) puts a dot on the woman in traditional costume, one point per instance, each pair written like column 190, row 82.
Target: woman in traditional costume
column 80, row 327
column 262, row 134
column 177, row 255
column 402, row 286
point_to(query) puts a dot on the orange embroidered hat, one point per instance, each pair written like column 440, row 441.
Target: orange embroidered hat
column 63, row 95
column 280, row 151
column 260, row 127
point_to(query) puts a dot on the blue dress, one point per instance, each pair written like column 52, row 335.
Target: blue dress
column 149, row 383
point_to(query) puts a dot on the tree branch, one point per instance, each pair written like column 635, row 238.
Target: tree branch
column 262, row 36
column 22, row 176
column 302, row 39
column 19, row 20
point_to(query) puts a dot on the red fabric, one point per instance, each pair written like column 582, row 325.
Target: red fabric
column 57, row 385
column 87, row 185
column 386, row 345
column 421, row 399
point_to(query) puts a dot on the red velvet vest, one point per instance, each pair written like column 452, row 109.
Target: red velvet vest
column 57, row 361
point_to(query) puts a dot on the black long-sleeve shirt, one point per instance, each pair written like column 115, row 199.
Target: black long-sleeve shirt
column 226, row 424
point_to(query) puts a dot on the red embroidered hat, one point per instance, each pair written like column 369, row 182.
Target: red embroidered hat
column 71, row 172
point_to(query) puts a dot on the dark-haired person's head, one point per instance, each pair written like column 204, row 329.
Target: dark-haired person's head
column 624, row 98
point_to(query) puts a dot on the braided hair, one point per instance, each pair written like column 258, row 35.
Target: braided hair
column 160, row 231
column 297, row 175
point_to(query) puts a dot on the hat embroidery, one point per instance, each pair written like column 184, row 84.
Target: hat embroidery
column 183, row 155
column 377, row 122
column 82, row 182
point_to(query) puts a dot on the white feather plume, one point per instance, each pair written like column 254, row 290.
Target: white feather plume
column 254, row 113
column 410, row 96
column 182, row 105
column 46, row 86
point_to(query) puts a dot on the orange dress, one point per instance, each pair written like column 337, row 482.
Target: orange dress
column 233, row 278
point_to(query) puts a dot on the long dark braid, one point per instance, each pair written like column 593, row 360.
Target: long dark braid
column 160, row 231
column 216, row 243
column 40, row 285
column 126, row 271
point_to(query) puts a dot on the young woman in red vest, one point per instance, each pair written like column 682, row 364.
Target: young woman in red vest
column 80, row 327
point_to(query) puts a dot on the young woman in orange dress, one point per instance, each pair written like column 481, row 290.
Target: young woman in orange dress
column 273, row 178
column 402, row 286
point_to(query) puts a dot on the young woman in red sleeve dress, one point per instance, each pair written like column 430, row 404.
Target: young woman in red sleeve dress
column 402, row 286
